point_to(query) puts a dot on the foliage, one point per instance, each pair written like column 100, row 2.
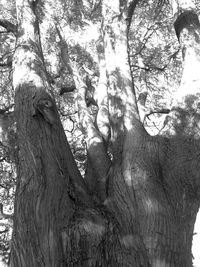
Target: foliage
column 156, row 60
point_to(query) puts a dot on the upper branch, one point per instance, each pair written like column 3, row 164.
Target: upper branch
column 98, row 159
column 10, row 27
column 131, row 7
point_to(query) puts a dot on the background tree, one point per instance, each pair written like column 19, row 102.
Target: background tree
column 137, row 203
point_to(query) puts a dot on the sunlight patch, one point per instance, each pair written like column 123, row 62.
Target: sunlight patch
column 93, row 228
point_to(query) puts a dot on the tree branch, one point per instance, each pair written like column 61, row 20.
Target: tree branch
column 6, row 65
column 98, row 159
column 131, row 7
column 160, row 111
column 10, row 27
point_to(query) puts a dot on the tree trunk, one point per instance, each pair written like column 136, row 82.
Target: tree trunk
column 43, row 203
column 136, row 209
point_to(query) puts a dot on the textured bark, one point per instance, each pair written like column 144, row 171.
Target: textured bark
column 137, row 209
column 47, row 175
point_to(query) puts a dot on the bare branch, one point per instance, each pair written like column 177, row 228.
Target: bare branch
column 96, row 149
column 6, row 65
column 159, row 111
column 10, row 27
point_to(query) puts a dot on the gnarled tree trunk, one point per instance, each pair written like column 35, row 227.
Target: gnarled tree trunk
column 135, row 209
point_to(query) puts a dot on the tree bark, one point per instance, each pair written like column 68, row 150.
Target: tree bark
column 137, row 208
column 45, row 191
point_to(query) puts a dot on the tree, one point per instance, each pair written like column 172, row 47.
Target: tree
column 138, row 201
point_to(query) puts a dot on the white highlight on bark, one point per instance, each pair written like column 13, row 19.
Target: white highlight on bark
column 186, row 4
column 129, row 241
column 192, row 67
column 82, row 37
column 101, row 91
column 190, row 83
column 94, row 228
column 26, row 18
column 128, row 124
column 93, row 140
column 157, row 262
column 23, row 73
column 114, row 7
column 151, row 206
column 127, row 173
column 182, row 4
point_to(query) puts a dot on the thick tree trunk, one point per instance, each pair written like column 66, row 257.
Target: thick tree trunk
column 43, row 205
column 137, row 209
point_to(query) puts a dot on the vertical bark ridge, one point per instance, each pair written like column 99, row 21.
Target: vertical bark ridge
column 153, row 206
column 179, row 181
column 40, row 164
